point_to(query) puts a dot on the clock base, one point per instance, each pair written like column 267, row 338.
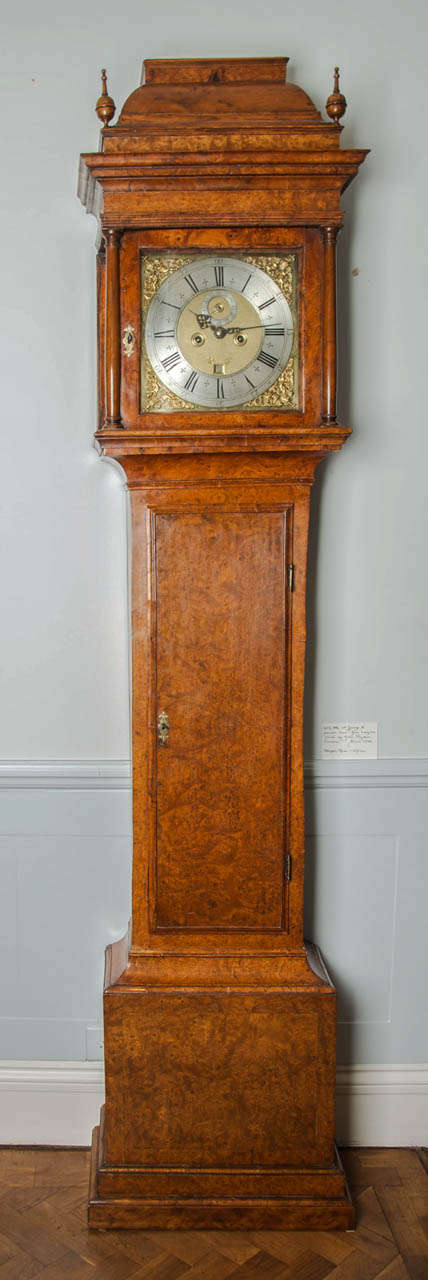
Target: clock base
column 219, row 1095
column 317, row 1199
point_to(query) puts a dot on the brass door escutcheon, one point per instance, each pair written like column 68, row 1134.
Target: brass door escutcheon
column 128, row 339
column 163, row 728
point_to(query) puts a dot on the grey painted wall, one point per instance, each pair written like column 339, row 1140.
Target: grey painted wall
column 63, row 639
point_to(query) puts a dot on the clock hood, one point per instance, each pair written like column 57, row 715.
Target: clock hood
column 232, row 128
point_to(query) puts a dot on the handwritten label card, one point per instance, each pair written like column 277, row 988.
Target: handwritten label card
column 349, row 740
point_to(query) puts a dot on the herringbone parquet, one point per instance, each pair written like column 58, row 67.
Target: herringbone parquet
column 43, row 1230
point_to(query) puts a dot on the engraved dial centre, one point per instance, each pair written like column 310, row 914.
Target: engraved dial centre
column 221, row 325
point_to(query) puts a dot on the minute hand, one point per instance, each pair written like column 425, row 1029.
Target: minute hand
column 243, row 328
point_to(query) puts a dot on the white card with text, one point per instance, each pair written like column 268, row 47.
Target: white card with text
column 349, row 740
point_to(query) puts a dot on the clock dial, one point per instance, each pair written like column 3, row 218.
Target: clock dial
column 218, row 332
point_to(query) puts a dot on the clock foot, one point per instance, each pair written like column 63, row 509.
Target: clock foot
column 241, row 1200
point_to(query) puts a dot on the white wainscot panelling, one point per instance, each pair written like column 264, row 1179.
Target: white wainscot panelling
column 382, row 1106
column 50, row 1103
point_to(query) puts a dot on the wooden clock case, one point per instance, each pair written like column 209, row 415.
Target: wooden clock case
column 219, row 1019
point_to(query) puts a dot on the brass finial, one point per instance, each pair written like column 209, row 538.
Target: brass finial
column 336, row 103
column 105, row 107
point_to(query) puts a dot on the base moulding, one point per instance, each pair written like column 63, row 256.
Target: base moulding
column 315, row 1199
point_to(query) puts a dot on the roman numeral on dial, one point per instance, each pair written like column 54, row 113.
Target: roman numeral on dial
column 275, row 331
column 191, row 283
column 170, row 361
column 220, row 389
column 268, row 303
column 265, row 358
column 190, row 384
column 219, row 275
column 165, row 333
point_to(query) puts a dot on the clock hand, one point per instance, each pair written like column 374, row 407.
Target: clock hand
column 207, row 322
column 221, row 331
column 203, row 321
column 243, row 328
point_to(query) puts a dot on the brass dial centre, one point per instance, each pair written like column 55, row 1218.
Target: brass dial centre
column 229, row 327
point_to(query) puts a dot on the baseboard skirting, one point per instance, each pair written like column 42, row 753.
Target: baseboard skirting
column 57, row 1104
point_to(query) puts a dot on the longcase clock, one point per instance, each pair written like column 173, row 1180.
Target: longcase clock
column 218, row 200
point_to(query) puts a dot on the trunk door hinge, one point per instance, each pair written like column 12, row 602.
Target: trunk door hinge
column 287, row 867
column 290, row 577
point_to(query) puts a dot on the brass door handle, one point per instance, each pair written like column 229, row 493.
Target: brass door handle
column 163, row 728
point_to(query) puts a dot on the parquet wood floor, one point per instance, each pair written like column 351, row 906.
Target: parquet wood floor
column 43, row 1232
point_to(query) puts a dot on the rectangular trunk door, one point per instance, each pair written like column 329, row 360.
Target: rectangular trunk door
column 221, row 685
